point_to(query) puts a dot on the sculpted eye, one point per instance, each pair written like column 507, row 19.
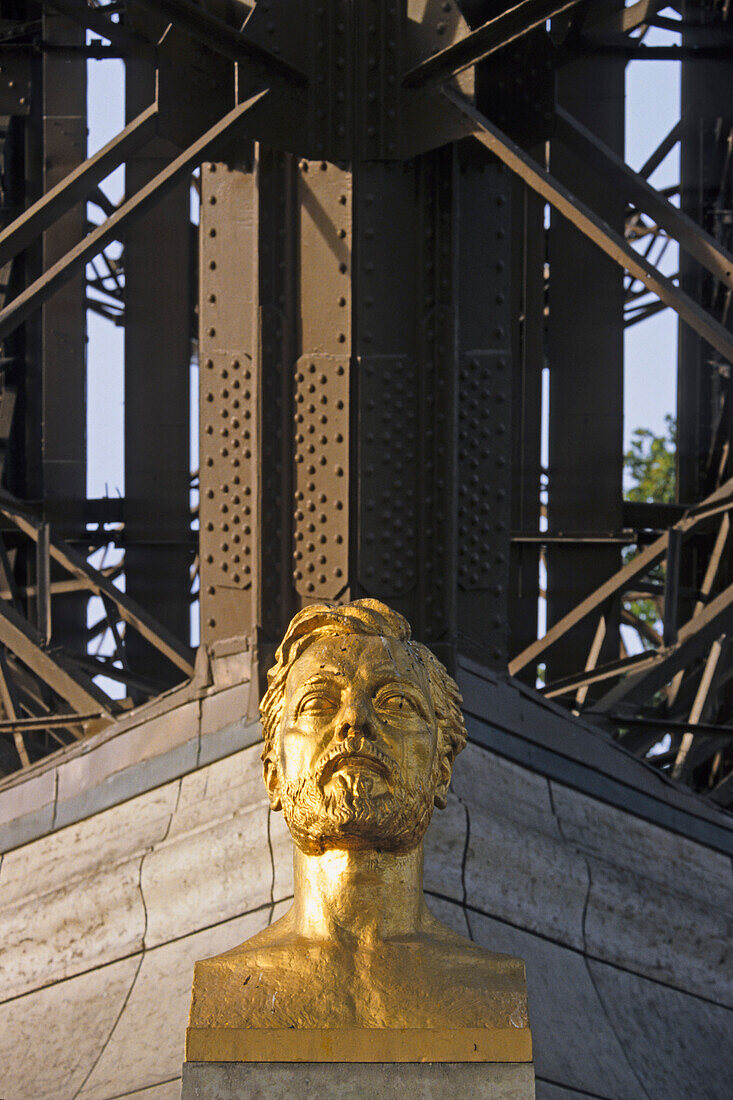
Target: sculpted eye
column 317, row 702
column 395, row 702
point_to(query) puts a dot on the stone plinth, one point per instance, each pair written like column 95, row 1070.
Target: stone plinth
column 356, row 1080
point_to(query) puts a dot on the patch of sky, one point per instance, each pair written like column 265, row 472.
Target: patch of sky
column 105, row 347
column 650, row 347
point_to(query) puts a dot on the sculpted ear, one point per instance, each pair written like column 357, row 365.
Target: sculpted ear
column 441, row 791
column 272, row 782
column 444, row 771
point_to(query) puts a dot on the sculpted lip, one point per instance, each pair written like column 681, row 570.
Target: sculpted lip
column 368, row 761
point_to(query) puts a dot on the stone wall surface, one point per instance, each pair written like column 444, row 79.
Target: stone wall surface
column 625, row 926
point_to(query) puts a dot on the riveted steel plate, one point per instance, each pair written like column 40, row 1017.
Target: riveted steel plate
column 483, row 452
column 321, row 478
column 388, row 472
column 227, row 349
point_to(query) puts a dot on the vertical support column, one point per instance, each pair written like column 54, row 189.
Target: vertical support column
column 586, row 364
column 157, row 262
column 403, row 325
column 63, row 317
column 483, row 259
column 434, row 605
column 55, row 458
column 707, row 121
column 528, row 306
column 248, row 310
column 323, row 486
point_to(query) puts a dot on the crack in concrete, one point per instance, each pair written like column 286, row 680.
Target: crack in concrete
column 464, row 861
column 555, row 814
column 584, row 937
column 97, row 1060
column 574, row 1091
column 139, row 1092
column 137, row 969
column 199, row 744
column 597, row 991
column 55, row 799
column 164, row 943
column 173, row 813
column 142, row 897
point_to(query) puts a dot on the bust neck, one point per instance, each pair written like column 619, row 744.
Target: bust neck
column 367, row 895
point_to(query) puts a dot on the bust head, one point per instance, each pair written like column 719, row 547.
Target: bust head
column 361, row 725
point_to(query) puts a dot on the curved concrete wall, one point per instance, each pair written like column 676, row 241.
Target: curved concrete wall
column 625, row 928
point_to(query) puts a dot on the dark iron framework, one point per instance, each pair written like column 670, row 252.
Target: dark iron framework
column 378, row 294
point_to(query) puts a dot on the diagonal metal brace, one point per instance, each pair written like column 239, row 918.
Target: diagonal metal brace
column 620, row 582
column 76, row 186
column 64, row 269
column 593, row 226
column 644, row 197
column 494, row 35
column 224, row 39
column 100, row 585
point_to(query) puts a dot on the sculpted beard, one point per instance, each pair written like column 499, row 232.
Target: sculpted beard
column 393, row 820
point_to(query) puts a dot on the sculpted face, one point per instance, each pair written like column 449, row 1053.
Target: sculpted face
column 357, row 746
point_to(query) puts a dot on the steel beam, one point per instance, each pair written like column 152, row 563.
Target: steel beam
column 585, row 358
column 330, row 465
column 622, row 581
column 225, row 39
column 64, row 269
column 493, row 35
column 694, row 640
column 55, row 379
column 99, row 584
column 634, row 188
column 592, row 226
column 528, row 334
column 76, row 186
column 706, row 127
column 121, row 37
column 74, row 687
column 158, row 309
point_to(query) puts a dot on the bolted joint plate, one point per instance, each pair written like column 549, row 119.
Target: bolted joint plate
column 354, row 107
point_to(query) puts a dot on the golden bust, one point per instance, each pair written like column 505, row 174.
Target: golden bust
column 361, row 727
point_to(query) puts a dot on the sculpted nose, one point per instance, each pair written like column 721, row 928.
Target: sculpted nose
column 354, row 719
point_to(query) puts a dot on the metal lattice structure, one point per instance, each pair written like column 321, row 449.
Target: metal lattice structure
column 379, row 291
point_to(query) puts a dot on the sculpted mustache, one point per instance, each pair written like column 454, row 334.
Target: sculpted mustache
column 356, row 746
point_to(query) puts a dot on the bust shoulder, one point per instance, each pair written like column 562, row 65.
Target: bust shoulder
column 435, row 979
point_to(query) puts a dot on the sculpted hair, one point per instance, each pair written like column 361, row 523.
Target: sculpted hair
column 370, row 617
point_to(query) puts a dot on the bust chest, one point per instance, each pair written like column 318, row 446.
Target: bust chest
column 328, row 985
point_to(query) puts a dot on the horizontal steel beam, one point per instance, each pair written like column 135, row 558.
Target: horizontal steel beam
column 51, row 721
column 485, row 40
column 673, row 726
column 625, row 538
column 76, row 186
column 122, row 38
column 622, row 20
column 594, row 227
column 221, row 37
column 589, row 48
column 64, row 269
column 635, row 190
